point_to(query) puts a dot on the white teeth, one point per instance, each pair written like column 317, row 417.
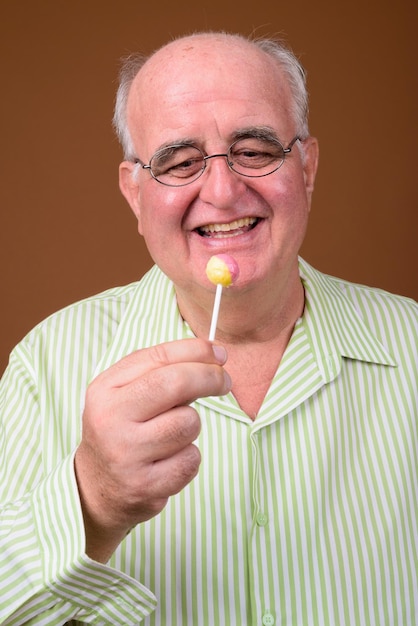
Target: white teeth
column 216, row 228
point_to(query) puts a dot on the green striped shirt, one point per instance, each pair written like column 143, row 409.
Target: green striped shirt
column 306, row 516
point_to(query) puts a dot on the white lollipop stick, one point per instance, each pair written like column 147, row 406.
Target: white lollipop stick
column 221, row 270
column 215, row 312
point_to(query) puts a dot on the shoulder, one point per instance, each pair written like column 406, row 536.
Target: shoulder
column 376, row 304
column 80, row 331
column 362, row 310
column 364, row 298
column 92, row 311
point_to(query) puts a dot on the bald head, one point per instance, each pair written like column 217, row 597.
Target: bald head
column 192, row 56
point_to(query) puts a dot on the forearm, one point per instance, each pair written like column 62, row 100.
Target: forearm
column 43, row 560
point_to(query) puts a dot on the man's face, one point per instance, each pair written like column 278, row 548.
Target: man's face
column 205, row 90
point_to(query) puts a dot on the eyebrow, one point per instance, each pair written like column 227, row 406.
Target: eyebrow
column 185, row 141
column 258, row 132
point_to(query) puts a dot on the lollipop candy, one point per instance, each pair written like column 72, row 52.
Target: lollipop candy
column 222, row 270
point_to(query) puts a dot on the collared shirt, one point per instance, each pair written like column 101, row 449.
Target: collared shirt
column 306, row 516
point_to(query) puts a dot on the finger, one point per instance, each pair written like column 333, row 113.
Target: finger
column 169, row 476
column 169, row 433
column 141, row 361
column 164, row 388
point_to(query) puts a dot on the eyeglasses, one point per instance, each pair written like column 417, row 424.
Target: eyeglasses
column 182, row 164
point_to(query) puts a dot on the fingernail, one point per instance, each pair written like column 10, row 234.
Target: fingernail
column 220, row 354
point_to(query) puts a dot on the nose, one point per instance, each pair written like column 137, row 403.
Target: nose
column 219, row 184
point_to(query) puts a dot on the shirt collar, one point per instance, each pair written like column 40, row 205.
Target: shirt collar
column 335, row 325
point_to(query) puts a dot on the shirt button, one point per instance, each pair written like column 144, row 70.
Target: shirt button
column 268, row 619
column 261, row 519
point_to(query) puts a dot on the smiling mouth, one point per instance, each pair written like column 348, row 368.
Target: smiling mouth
column 232, row 229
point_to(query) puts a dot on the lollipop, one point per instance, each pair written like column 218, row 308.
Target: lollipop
column 221, row 270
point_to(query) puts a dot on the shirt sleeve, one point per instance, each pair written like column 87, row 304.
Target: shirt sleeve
column 45, row 575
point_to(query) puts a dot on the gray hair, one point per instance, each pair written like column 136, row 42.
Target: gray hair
column 275, row 48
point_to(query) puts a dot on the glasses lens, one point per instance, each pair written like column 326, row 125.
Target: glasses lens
column 256, row 157
column 177, row 165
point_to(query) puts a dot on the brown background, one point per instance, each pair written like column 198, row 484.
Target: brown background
column 66, row 232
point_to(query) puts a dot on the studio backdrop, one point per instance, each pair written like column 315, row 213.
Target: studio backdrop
column 66, row 232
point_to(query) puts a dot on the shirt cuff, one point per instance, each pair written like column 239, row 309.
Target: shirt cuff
column 100, row 593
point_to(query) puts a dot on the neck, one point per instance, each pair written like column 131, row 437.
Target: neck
column 255, row 325
column 247, row 317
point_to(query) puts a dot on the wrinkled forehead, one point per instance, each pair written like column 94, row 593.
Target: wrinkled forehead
column 202, row 86
column 213, row 62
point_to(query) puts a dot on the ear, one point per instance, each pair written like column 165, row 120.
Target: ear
column 129, row 187
column 310, row 163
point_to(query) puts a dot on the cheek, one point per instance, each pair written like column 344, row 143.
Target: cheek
column 288, row 196
column 291, row 207
column 160, row 218
column 160, row 202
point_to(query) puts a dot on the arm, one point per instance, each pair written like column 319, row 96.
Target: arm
column 138, row 431
column 135, row 425
column 44, row 571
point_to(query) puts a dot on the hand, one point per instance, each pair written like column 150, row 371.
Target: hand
column 137, row 439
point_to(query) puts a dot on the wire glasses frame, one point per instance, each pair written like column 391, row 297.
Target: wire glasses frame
column 181, row 164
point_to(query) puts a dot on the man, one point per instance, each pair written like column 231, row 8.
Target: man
column 269, row 478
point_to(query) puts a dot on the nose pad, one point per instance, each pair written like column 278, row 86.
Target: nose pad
column 215, row 156
column 228, row 163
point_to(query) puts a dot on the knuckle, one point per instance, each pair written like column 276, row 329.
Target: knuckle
column 189, row 463
column 180, row 426
column 186, row 423
column 191, row 423
column 192, row 349
column 189, row 382
column 159, row 353
column 175, row 379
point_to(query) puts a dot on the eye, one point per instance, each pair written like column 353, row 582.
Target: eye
column 177, row 161
column 256, row 153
